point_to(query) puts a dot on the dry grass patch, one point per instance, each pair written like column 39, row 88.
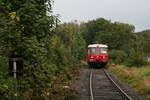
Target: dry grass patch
column 137, row 78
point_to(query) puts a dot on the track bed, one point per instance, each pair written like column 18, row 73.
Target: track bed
column 102, row 88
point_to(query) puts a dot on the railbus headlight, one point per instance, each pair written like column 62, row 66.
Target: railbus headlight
column 92, row 57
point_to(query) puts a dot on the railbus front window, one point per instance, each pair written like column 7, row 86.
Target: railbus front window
column 91, row 50
column 97, row 50
column 103, row 50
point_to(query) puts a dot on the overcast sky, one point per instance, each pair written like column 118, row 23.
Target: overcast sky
column 136, row 12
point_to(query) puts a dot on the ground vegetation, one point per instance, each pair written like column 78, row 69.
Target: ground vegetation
column 137, row 78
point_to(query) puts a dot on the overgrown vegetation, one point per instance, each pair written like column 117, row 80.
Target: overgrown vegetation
column 137, row 78
column 117, row 56
column 29, row 28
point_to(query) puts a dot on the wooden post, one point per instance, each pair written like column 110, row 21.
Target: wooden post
column 15, row 79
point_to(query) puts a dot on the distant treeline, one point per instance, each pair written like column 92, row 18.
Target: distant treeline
column 125, row 45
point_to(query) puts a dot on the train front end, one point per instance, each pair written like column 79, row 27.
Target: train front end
column 97, row 55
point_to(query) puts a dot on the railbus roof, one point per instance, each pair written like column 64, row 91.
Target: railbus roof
column 97, row 45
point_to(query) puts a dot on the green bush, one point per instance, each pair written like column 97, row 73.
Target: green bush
column 117, row 56
column 6, row 83
column 136, row 59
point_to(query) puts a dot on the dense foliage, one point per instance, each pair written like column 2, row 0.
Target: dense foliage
column 29, row 28
column 26, row 28
column 145, row 36
column 136, row 59
column 117, row 56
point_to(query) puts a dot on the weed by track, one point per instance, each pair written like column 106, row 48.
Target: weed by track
column 137, row 78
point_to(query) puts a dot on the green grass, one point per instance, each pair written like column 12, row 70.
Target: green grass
column 137, row 78
column 144, row 71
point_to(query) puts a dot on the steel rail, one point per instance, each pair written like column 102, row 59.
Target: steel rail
column 113, row 82
column 91, row 89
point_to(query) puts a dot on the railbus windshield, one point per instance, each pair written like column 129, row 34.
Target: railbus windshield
column 92, row 50
column 103, row 50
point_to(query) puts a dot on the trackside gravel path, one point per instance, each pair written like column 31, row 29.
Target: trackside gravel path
column 102, row 87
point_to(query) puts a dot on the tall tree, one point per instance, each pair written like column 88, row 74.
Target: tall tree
column 26, row 26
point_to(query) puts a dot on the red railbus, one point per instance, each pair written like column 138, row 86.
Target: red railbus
column 97, row 55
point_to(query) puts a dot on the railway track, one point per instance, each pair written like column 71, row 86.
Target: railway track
column 103, row 87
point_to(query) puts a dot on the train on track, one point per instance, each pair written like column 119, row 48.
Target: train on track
column 97, row 55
